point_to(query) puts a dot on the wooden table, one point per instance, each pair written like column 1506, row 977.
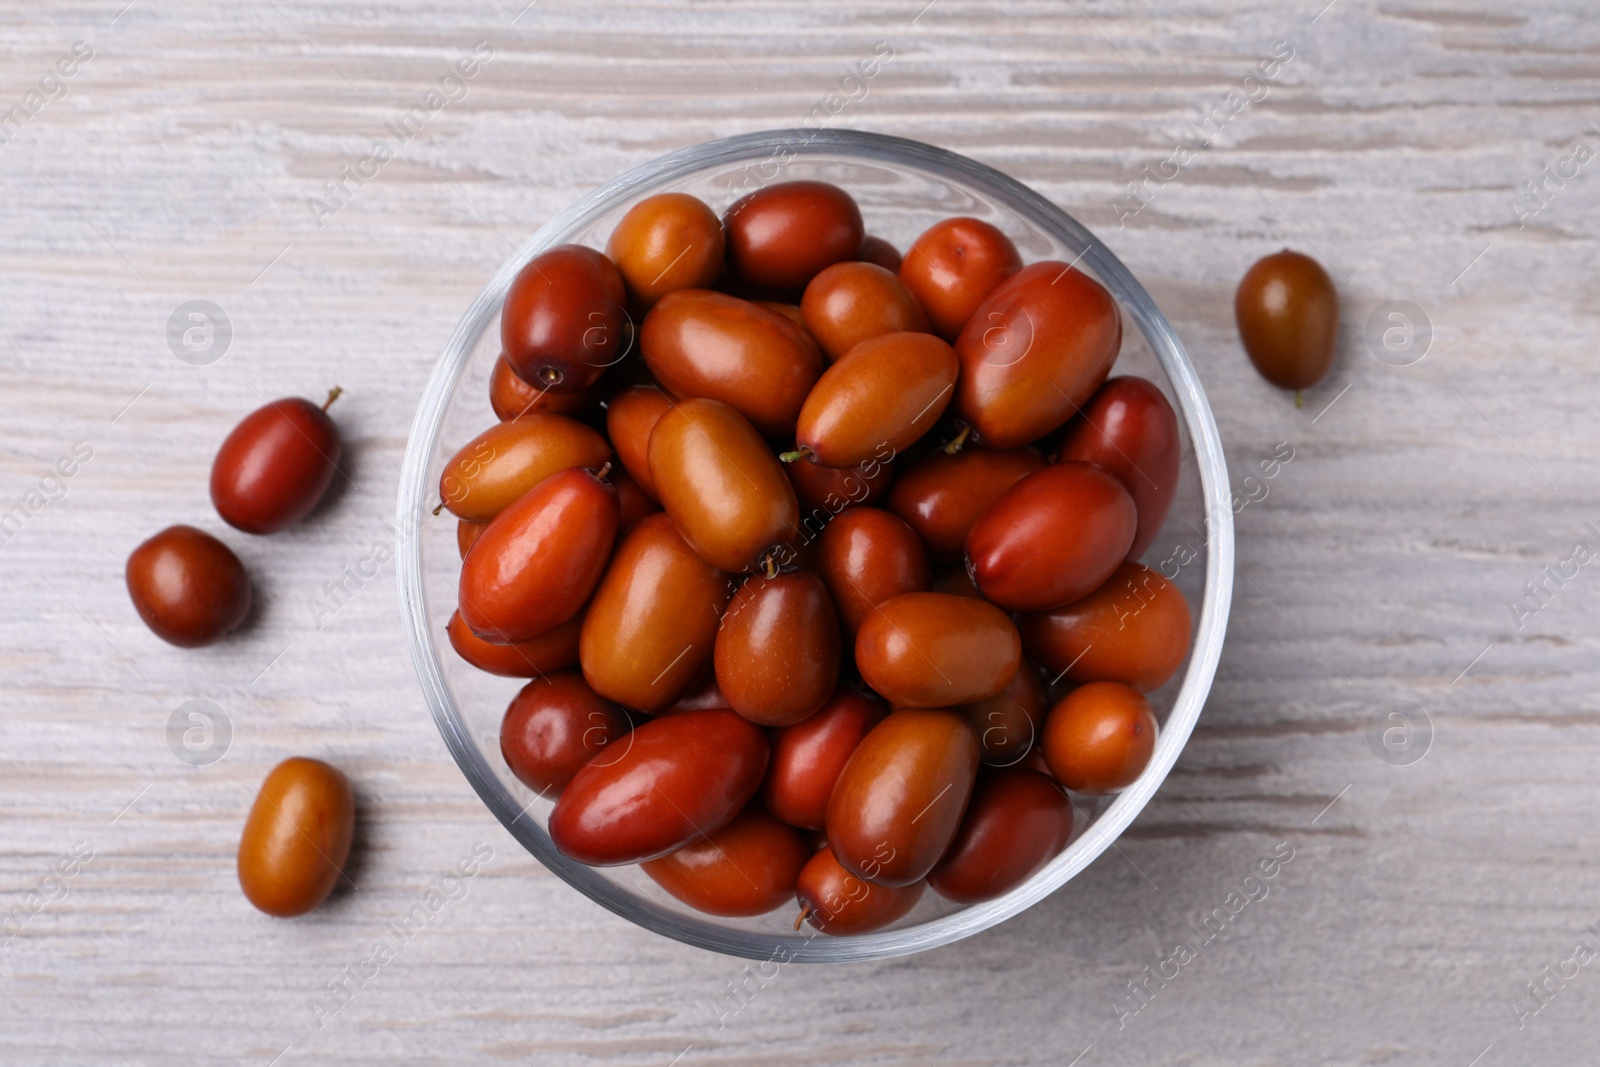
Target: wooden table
column 1377, row 574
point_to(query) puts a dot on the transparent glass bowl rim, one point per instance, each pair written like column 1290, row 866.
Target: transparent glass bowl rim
column 1006, row 193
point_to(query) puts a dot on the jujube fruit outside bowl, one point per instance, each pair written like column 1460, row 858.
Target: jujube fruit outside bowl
column 902, row 188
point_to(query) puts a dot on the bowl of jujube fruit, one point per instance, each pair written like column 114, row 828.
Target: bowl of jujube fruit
column 814, row 546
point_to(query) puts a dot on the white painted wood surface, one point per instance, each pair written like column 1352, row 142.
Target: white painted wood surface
column 1380, row 566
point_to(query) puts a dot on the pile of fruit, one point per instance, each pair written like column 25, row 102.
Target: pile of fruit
column 823, row 563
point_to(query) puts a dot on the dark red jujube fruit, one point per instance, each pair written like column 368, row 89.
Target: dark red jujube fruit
column 565, row 319
column 675, row 779
column 276, row 465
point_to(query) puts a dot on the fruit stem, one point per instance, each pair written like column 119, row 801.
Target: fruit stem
column 604, row 470
column 803, row 452
column 1298, row 402
column 439, row 508
column 959, row 440
column 333, row 394
column 805, row 910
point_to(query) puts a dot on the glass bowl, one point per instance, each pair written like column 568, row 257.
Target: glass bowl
column 903, row 187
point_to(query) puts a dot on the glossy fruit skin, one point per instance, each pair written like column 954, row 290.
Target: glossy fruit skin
column 826, row 491
column 553, row 726
column 808, row 757
column 1034, row 353
column 782, row 236
column 749, row 867
column 1131, row 431
column 934, row 650
column 898, row 802
column 850, row 302
column 508, row 459
column 700, row 343
column 565, row 319
column 1098, row 738
column 631, row 414
column 535, row 566
column 722, row 485
column 513, row 398
column 667, row 242
column 680, row 777
column 885, row 392
column 1017, row 821
column 1288, row 315
column 940, row 496
column 553, row 650
column 1053, row 538
column 877, row 251
column 657, row 599
column 953, row 267
column 866, row 556
column 275, row 466
column 297, row 837
column 777, row 653
column 187, row 586
column 1134, row 629
column 836, row 901
column 467, row 533
column 1008, row 724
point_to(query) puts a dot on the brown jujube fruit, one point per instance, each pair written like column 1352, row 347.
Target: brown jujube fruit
column 649, row 630
column 1099, row 738
column 666, row 242
column 724, row 489
column 940, row 496
column 701, row 696
column 1288, row 315
column 1053, row 538
column 513, row 398
column 1131, row 431
column 553, row 650
column 877, row 251
column 953, row 267
column 508, row 459
column 276, row 465
column 832, row 489
column 1034, row 352
column 537, row 563
column 835, row 901
column 777, row 653
column 564, row 320
column 934, row 650
column 297, row 837
column 808, row 757
column 700, row 343
column 781, row 236
column 866, row 556
column 899, row 800
column 467, row 533
column 1134, row 629
column 677, row 778
column 632, row 502
column 1008, row 723
column 187, row 586
column 849, row 302
column 884, row 393
column 553, row 726
column 631, row 415
column 748, row 867
column 1017, row 821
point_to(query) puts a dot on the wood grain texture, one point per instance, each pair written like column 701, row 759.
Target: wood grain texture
column 1378, row 568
